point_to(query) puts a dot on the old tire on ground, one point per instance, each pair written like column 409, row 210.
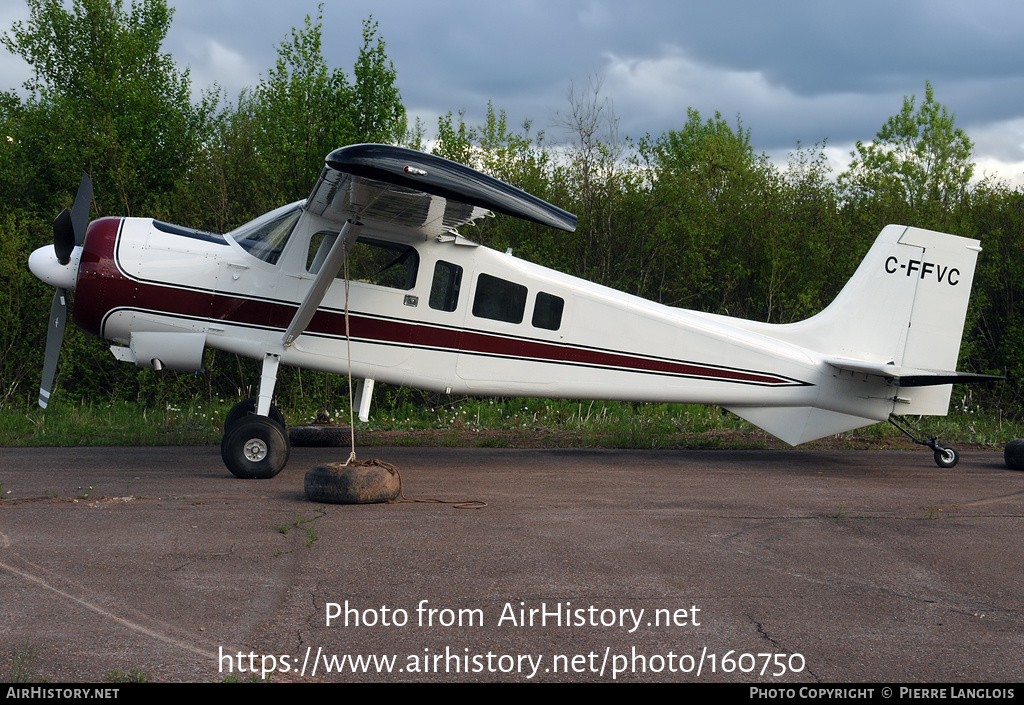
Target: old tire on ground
column 356, row 484
column 320, row 436
column 255, row 448
column 1013, row 454
column 247, row 407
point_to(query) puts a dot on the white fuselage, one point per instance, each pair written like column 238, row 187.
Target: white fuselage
column 603, row 344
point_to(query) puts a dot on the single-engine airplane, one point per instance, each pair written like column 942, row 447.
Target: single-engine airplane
column 429, row 308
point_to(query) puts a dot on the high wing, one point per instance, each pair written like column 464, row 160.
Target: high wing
column 382, row 185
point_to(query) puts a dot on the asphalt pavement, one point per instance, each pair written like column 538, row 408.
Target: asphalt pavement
column 781, row 567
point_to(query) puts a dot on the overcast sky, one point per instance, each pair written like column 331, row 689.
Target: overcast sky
column 793, row 70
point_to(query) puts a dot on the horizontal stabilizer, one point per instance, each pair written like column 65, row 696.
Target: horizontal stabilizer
column 910, row 376
column 935, row 378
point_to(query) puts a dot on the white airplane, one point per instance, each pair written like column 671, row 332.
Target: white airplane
column 431, row 309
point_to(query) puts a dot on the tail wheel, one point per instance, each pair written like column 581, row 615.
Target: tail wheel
column 255, row 448
column 946, row 456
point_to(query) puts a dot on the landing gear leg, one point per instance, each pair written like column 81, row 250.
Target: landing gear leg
column 945, row 456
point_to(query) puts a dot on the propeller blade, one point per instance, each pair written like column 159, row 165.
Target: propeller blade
column 69, row 227
column 80, row 211
column 54, row 338
column 63, row 236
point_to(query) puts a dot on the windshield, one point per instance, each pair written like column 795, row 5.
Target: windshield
column 266, row 236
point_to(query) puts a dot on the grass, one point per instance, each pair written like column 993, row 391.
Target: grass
column 22, row 662
column 133, row 675
column 311, row 535
column 236, row 678
column 118, row 423
column 415, row 419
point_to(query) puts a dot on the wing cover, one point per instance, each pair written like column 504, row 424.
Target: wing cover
column 394, row 186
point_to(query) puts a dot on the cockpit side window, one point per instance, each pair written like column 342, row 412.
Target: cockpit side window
column 371, row 261
column 266, row 236
column 444, row 289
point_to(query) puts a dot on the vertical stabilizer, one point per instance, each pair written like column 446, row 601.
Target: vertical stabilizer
column 906, row 303
column 904, row 307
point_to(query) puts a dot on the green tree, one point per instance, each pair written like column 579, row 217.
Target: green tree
column 455, row 142
column 702, row 174
column 917, row 169
column 994, row 334
column 600, row 181
column 737, row 235
column 375, row 105
column 103, row 98
column 300, row 113
column 805, row 251
column 269, row 147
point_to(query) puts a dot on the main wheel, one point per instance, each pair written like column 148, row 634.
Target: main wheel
column 946, row 456
column 246, row 408
column 255, row 448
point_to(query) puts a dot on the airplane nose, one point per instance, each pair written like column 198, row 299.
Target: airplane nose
column 44, row 264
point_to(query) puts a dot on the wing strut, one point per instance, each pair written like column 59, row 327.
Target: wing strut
column 328, row 271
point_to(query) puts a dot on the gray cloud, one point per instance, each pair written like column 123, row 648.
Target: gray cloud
column 800, row 70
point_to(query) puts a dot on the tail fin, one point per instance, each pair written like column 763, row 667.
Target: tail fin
column 905, row 305
column 901, row 315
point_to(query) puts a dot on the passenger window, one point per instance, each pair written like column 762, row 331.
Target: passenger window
column 547, row 311
column 444, row 289
column 371, row 261
column 499, row 300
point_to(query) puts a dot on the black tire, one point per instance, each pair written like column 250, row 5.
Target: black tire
column 246, row 408
column 336, row 484
column 320, row 436
column 1013, row 454
column 255, row 448
column 946, row 456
